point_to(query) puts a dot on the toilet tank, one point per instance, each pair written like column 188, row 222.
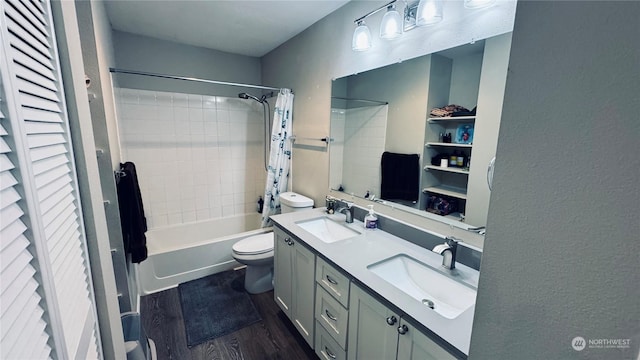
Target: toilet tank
column 290, row 202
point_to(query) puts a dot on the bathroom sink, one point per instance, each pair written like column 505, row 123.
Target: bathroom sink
column 327, row 230
column 435, row 290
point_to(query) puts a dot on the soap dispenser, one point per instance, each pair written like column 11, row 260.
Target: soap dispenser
column 371, row 220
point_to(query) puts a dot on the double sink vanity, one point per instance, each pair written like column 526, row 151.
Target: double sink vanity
column 355, row 293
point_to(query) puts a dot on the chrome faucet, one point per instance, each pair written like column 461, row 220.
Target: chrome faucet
column 448, row 251
column 348, row 211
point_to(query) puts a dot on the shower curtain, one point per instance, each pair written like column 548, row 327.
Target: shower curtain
column 280, row 156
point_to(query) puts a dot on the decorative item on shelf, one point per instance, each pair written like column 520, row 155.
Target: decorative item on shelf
column 435, row 160
column 453, row 160
column 464, row 134
column 460, row 159
column 441, row 206
column 447, row 138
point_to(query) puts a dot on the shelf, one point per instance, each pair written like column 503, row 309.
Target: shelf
column 455, row 192
column 429, row 144
column 447, row 169
column 452, row 119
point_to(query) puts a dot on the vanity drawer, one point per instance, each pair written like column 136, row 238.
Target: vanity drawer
column 326, row 347
column 333, row 281
column 332, row 316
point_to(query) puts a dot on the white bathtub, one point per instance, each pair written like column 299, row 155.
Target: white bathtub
column 185, row 252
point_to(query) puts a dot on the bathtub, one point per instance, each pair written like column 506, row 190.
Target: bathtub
column 185, row 252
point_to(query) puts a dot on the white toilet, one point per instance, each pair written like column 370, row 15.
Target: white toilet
column 257, row 251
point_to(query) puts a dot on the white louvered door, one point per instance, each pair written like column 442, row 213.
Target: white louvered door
column 47, row 307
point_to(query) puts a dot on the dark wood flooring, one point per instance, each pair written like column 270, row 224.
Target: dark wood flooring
column 272, row 338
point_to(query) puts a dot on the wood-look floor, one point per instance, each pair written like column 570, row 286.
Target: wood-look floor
column 272, row 338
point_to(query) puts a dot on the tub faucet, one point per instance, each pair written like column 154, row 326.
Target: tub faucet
column 348, row 211
column 448, row 252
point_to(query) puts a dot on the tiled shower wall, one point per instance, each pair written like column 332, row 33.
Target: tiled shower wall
column 359, row 145
column 198, row 157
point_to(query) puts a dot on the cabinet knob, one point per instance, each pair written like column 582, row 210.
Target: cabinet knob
column 288, row 241
column 403, row 329
column 391, row 320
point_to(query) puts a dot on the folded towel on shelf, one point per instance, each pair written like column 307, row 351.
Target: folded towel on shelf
column 400, row 176
column 452, row 110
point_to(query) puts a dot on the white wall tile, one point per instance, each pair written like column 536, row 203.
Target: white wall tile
column 189, row 216
column 180, row 100
column 195, row 101
column 209, row 102
column 198, row 157
column 174, row 219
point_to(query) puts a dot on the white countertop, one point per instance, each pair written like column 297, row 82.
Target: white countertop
column 355, row 254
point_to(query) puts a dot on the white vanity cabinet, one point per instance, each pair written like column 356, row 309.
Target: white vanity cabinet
column 376, row 332
column 294, row 282
column 332, row 311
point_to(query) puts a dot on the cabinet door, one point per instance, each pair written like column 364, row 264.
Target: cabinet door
column 303, row 291
column 282, row 268
column 372, row 328
column 414, row 345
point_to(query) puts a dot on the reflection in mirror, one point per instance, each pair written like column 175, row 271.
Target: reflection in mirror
column 358, row 129
column 389, row 111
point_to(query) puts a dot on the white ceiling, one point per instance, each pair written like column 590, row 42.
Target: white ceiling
column 247, row 27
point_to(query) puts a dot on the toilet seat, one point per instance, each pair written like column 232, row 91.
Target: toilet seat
column 254, row 245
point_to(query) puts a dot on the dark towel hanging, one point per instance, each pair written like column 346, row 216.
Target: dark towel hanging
column 400, row 176
column 132, row 220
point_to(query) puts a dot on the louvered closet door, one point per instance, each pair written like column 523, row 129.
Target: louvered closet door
column 23, row 337
column 45, row 171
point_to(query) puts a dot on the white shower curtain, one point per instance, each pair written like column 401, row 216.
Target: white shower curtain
column 280, row 157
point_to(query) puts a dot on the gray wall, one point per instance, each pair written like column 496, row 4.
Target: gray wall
column 562, row 251
column 465, row 71
column 142, row 53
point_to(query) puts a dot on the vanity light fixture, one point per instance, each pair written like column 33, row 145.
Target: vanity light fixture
column 478, row 4
column 361, row 37
column 429, row 12
column 391, row 25
column 416, row 13
column 361, row 40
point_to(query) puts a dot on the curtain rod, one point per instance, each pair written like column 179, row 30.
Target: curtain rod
column 175, row 77
column 362, row 100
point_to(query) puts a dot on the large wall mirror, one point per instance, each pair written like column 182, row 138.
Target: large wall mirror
column 390, row 146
